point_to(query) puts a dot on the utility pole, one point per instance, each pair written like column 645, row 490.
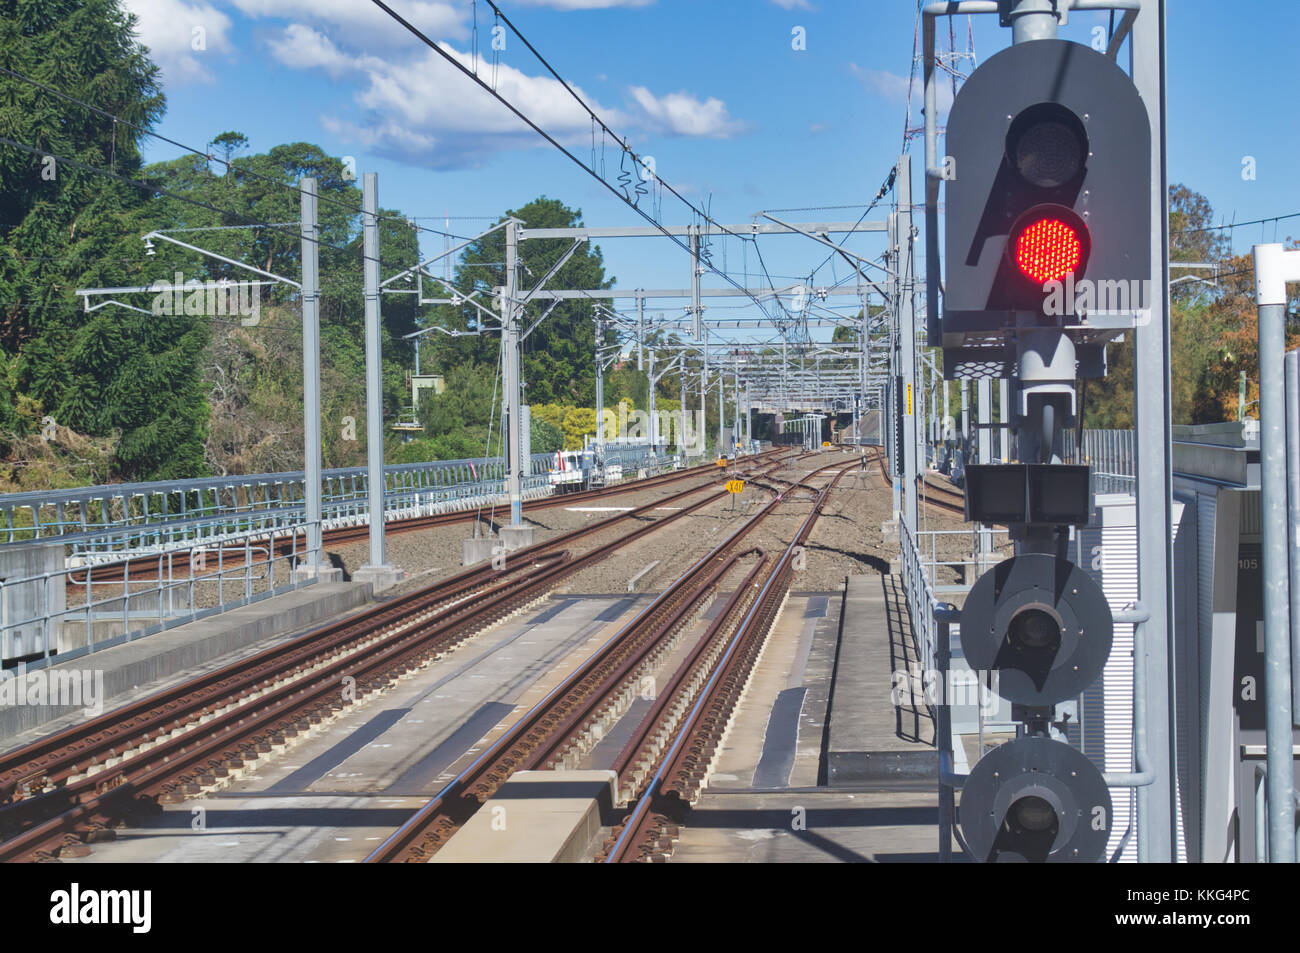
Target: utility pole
column 513, row 391
column 313, row 565
column 600, row 387
column 376, row 570
column 907, row 334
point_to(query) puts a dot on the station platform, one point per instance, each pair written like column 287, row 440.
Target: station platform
column 825, row 762
column 113, row 676
column 878, row 730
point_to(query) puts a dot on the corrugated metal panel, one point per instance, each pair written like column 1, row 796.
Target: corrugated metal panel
column 1250, row 514
column 1109, row 552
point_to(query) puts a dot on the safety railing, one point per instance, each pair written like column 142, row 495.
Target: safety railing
column 117, row 518
column 79, row 606
column 1111, row 455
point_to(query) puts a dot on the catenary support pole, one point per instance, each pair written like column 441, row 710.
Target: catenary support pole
column 311, row 373
column 1152, row 438
column 1273, row 267
column 513, row 391
column 600, row 389
column 682, row 441
column 907, row 337
column 654, row 415
column 376, row 567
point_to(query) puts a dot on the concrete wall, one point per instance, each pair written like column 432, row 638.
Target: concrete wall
column 24, row 600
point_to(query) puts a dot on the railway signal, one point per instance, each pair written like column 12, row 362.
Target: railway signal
column 1048, row 170
column 1047, row 236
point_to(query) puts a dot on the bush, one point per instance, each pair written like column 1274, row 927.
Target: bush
column 545, row 437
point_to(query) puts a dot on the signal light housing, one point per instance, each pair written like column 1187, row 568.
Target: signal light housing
column 1035, row 800
column 1047, row 145
column 1040, row 622
column 1044, row 131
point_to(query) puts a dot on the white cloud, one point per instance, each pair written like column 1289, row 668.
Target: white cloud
column 682, row 114
column 414, row 106
column 181, row 36
column 363, row 23
column 894, row 87
column 421, row 109
column 302, row 47
column 793, row 4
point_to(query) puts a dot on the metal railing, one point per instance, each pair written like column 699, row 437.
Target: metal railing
column 117, row 518
column 1111, row 455
column 71, row 611
column 172, row 533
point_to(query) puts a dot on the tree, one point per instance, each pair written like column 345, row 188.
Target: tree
column 112, row 372
column 558, row 357
column 579, row 422
column 1213, row 328
column 546, row 437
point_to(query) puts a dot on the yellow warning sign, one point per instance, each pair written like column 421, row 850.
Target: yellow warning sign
column 826, row 443
column 735, row 486
column 909, row 400
column 722, row 461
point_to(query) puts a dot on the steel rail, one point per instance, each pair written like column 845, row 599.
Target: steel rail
column 136, row 776
column 429, row 827
column 686, row 762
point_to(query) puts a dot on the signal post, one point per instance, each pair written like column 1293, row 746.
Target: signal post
column 1048, row 193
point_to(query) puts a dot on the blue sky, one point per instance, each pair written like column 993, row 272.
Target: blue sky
column 735, row 117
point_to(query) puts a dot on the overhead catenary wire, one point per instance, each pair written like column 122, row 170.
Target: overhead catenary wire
column 596, row 120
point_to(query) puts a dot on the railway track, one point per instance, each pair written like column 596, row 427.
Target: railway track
column 663, row 766
column 555, row 732
column 176, row 565
column 68, row 790
column 939, row 497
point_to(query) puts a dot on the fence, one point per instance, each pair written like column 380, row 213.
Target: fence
column 73, row 607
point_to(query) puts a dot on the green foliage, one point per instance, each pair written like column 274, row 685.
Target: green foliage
column 545, row 437
column 558, row 355
column 451, row 446
column 579, row 422
column 1212, row 328
column 111, row 372
column 465, row 404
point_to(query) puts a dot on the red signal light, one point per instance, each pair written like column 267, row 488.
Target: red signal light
column 1048, row 250
column 1048, row 242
